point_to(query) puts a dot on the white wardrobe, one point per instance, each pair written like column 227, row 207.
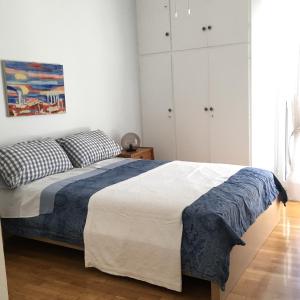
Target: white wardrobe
column 196, row 78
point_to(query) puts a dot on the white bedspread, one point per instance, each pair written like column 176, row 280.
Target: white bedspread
column 134, row 228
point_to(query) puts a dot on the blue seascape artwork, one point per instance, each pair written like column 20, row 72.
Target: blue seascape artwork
column 34, row 88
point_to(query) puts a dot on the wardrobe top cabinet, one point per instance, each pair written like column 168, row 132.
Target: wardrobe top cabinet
column 165, row 25
column 153, row 22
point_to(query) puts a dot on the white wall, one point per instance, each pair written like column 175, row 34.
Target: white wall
column 95, row 40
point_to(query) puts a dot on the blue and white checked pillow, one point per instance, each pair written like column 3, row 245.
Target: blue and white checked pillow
column 89, row 147
column 25, row 162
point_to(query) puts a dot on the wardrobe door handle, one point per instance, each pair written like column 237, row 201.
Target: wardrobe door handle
column 203, row 28
column 205, row 109
column 167, row 34
column 170, row 110
column 211, row 109
column 209, row 27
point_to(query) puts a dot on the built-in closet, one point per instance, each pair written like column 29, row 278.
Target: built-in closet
column 201, row 87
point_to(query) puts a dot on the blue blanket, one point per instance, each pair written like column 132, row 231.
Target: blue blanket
column 215, row 223
column 212, row 225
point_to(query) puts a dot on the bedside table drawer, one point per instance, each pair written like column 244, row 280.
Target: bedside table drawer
column 144, row 155
column 141, row 153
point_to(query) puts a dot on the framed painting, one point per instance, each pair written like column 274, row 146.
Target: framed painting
column 34, row 88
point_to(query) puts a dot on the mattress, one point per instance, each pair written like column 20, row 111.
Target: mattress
column 212, row 224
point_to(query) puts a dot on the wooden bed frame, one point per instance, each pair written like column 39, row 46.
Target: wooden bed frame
column 3, row 281
column 240, row 257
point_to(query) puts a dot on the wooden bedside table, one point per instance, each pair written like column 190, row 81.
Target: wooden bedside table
column 140, row 153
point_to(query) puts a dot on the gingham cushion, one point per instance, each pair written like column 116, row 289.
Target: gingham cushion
column 25, row 162
column 89, row 147
column 2, row 184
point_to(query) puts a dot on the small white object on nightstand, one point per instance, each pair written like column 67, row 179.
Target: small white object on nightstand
column 3, row 281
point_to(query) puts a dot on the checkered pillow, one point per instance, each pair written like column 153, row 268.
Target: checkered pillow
column 89, row 147
column 25, row 162
column 2, row 184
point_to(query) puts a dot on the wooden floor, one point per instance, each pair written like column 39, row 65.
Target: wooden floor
column 38, row 271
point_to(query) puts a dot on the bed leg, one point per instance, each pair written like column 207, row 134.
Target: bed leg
column 216, row 293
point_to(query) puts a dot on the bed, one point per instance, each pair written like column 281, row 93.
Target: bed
column 226, row 213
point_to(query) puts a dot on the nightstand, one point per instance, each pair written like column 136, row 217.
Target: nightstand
column 140, row 153
column 3, row 282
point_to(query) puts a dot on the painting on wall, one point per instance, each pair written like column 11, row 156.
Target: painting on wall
column 34, row 88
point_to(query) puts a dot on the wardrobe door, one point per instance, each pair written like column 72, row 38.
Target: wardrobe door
column 228, row 22
column 157, row 106
column 153, row 18
column 189, row 24
column 229, row 99
column 190, row 71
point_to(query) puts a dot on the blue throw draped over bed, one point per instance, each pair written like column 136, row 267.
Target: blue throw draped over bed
column 212, row 225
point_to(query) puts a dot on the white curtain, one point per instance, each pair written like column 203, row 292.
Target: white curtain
column 287, row 85
column 293, row 149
